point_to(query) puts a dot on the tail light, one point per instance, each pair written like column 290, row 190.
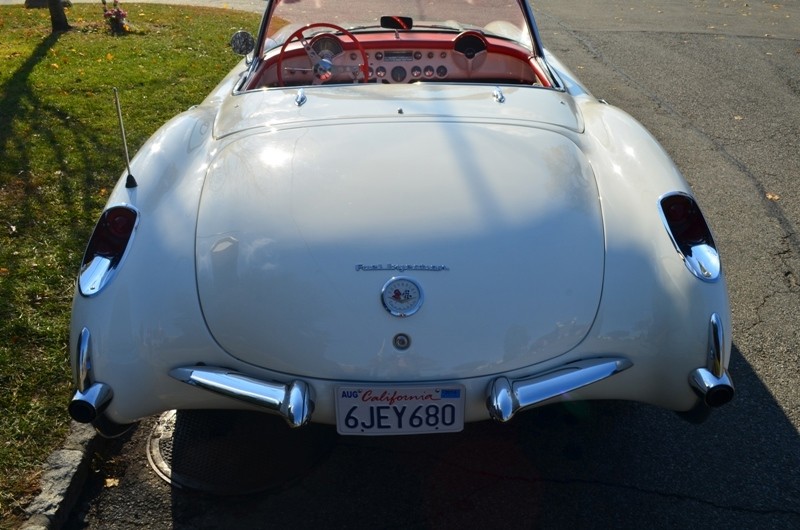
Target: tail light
column 107, row 247
column 691, row 235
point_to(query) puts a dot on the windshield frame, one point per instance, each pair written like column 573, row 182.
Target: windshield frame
column 524, row 6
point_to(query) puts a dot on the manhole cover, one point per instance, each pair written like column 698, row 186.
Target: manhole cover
column 226, row 452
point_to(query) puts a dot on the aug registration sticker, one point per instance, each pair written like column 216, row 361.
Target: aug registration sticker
column 382, row 411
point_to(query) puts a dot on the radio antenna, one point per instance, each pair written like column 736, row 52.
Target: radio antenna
column 130, row 182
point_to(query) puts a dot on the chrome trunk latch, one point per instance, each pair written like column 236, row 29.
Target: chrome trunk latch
column 300, row 99
column 498, row 95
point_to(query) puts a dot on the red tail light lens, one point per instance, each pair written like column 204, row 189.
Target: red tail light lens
column 112, row 234
column 685, row 220
column 691, row 235
column 107, row 247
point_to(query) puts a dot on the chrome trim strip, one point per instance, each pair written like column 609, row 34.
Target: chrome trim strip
column 401, row 268
column 83, row 362
column 716, row 346
column 294, row 402
column 506, row 398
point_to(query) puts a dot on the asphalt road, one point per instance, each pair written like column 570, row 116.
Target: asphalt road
column 718, row 83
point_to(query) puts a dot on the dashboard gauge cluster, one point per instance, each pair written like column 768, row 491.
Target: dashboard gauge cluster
column 405, row 66
column 327, row 46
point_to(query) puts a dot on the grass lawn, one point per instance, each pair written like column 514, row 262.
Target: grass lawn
column 60, row 154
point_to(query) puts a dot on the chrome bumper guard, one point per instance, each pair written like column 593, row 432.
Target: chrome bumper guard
column 713, row 384
column 715, row 391
column 506, row 398
column 88, row 404
column 293, row 402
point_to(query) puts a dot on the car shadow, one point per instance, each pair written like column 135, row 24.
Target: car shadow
column 584, row 464
column 574, row 464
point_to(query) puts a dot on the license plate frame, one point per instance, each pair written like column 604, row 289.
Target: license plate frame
column 389, row 410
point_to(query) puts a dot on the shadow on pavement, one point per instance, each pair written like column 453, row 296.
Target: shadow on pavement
column 573, row 464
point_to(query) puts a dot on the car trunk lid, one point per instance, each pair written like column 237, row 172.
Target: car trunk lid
column 300, row 228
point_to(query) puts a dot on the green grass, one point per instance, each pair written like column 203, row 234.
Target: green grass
column 60, row 154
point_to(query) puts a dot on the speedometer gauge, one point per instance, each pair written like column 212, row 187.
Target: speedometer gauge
column 327, row 46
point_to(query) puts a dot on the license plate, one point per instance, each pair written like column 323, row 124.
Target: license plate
column 381, row 411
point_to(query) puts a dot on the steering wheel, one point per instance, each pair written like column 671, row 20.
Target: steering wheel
column 322, row 67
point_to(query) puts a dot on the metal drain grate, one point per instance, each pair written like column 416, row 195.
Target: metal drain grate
column 226, row 452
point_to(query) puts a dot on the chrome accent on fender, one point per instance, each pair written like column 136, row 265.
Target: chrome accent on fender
column 95, row 275
column 498, row 95
column 86, row 406
column 712, row 383
column 301, row 98
column 717, row 356
column 506, row 398
column 294, row 402
column 83, row 361
column 703, row 261
column 91, row 399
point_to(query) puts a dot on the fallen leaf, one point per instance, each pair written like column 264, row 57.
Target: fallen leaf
column 773, row 196
column 112, row 482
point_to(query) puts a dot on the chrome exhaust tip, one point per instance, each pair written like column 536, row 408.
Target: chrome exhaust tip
column 714, row 391
column 86, row 406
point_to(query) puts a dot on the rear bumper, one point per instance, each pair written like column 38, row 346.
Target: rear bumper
column 504, row 395
column 294, row 402
column 506, row 398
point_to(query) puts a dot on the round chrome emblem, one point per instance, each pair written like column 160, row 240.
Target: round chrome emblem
column 401, row 296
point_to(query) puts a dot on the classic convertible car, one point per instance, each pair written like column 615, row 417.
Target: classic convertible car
column 397, row 217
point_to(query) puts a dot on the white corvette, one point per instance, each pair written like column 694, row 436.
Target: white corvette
column 397, row 217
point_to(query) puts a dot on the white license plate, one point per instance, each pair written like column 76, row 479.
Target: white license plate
column 380, row 411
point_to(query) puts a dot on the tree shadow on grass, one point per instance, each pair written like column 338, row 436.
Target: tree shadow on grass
column 47, row 180
column 48, row 196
